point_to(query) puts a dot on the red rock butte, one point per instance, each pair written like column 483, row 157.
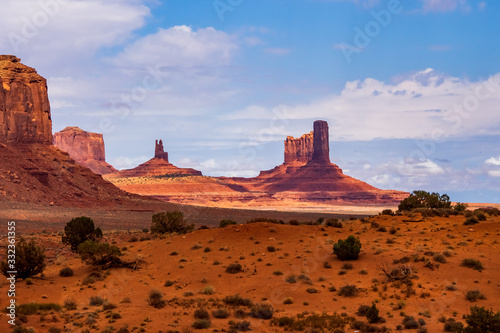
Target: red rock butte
column 157, row 166
column 24, row 104
column 84, row 147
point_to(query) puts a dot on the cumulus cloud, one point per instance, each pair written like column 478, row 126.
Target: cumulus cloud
column 425, row 104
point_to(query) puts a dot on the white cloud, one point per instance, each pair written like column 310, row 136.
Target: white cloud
column 180, row 46
column 124, row 162
column 423, row 105
column 493, row 161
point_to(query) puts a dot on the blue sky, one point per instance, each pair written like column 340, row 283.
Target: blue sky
column 410, row 88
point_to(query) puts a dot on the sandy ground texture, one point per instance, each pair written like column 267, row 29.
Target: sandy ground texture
column 190, row 273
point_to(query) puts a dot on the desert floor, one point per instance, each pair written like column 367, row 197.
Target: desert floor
column 194, row 265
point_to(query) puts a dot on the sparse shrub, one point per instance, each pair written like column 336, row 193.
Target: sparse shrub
column 471, row 220
column 108, row 306
column 220, row 313
column 454, row 326
column 481, row 320
column 133, row 239
column 460, row 207
column 327, row 265
column 169, row 283
column 312, row 290
column 288, row 300
column 208, row 290
column 347, row 266
column 66, row 272
column 472, row 263
column 234, row 268
column 372, row 314
column 438, row 257
column 29, row 259
column 481, row 216
column 387, row 212
column 239, row 326
column 474, row 295
column 28, row 309
column 291, row 279
column 156, row 299
column 170, row 222
column 312, row 323
column 362, row 310
column 201, row 324
column 236, row 300
column 277, row 273
column 392, row 230
column 95, row 301
column 79, row 230
column 70, row 304
column 265, row 219
column 349, row 290
column 225, row 223
column 271, row 249
column 409, row 322
column 100, row 254
column 333, row 222
column 347, row 249
column 262, row 311
column 201, row 314
column 240, row 313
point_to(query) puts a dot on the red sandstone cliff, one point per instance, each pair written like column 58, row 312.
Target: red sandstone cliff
column 24, row 104
column 86, row 148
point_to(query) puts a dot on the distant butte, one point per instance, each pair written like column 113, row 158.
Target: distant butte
column 157, row 166
column 86, row 148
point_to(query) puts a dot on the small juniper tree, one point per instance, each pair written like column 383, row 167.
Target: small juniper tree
column 79, row 230
column 29, row 260
column 347, row 249
column 169, row 222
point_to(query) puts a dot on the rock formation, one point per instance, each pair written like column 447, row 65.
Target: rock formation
column 24, row 104
column 160, row 151
column 321, row 144
column 85, row 148
column 158, row 166
column 299, row 150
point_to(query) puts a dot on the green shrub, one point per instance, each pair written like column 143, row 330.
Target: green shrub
column 96, row 301
column 387, row 212
column 99, row 254
column 347, row 249
column 363, row 310
column 271, row 248
column 66, row 272
column 313, row 323
column 265, row 219
column 481, row 320
column 423, row 199
column 472, row 263
column 239, row 326
column 262, row 311
column 409, row 322
column 460, row 207
column 170, row 222
column 156, row 299
column 481, row 216
column 225, row 223
column 80, row 230
column 70, row 304
column 29, row 260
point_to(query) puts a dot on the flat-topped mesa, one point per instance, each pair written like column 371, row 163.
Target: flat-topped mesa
column 321, row 142
column 300, row 149
column 24, row 104
column 159, row 151
column 86, row 148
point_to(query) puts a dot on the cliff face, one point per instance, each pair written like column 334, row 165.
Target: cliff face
column 86, row 148
column 24, row 104
column 321, row 142
column 299, row 150
column 160, row 151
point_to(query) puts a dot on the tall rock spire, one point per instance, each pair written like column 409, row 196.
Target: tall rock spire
column 159, row 150
column 321, row 143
